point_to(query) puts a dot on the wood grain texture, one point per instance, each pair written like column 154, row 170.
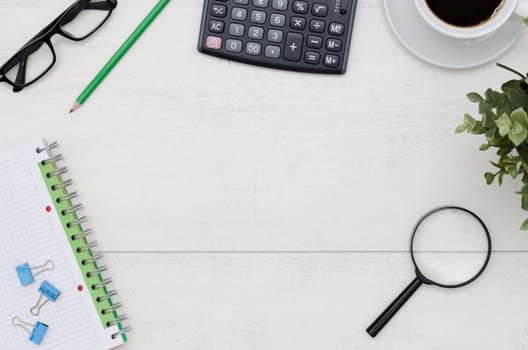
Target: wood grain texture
column 314, row 301
column 181, row 152
column 204, row 154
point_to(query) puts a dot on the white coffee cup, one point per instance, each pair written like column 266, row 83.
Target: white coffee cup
column 509, row 8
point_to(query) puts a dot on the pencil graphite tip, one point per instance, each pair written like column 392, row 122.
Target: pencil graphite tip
column 75, row 107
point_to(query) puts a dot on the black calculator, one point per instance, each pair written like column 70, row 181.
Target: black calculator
column 301, row 35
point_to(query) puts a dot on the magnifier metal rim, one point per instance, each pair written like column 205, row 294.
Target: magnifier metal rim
column 422, row 276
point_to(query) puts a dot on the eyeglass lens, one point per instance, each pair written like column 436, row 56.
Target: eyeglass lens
column 30, row 65
column 87, row 20
column 37, row 57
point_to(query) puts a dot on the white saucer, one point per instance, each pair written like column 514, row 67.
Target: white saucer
column 441, row 50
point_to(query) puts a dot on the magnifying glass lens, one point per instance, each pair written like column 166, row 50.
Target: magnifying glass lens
column 450, row 247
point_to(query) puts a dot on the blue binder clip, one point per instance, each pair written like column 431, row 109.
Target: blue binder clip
column 36, row 331
column 47, row 292
column 26, row 275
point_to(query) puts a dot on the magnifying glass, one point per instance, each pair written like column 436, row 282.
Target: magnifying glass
column 450, row 248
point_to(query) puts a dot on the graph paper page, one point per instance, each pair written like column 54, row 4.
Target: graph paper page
column 29, row 233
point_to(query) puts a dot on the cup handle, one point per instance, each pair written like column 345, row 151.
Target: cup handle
column 522, row 8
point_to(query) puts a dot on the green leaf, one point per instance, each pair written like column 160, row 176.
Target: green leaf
column 525, row 21
column 511, row 84
column 488, row 119
column 484, row 107
column 524, row 226
column 524, row 190
column 524, row 202
column 505, row 107
column 504, row 124
column 504, row 151
column 491, row 134
column 489, row 178
column 497, row 165
column 524, row 171
column 484, row 147
column 500, row 178
column 469, row 120
column 461, row 128
column 476, row 128
column 516, row 128
column 518, row 98
column 512, row 160
column 512, row 170
column 494, row 97
column 474, row 97
column 519, row 115
column 518, row 134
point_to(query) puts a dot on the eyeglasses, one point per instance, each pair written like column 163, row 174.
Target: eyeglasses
column 37, row 56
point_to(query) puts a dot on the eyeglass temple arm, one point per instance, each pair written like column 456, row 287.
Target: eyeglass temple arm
column 102, row 5
column 66, row 17
column 21, row 74
column 74, row 11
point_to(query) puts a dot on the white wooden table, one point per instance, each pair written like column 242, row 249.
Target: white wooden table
column 247, row 208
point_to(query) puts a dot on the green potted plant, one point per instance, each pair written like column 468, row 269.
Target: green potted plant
column 504, row 123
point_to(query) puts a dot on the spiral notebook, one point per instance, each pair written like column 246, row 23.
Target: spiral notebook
column 52, row 289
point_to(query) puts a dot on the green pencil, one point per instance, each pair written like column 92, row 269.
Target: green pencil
column 119, row 55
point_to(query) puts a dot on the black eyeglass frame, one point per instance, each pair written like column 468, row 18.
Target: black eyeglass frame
column 44, row 38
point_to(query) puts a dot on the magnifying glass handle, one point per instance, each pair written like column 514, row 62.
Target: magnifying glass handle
column 393, row 308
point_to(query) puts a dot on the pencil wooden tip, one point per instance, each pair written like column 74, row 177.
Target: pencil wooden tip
column 75, row 107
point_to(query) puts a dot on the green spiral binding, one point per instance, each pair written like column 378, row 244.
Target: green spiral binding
column 53, row 182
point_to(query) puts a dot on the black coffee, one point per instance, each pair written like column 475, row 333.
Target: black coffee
column 465, row 13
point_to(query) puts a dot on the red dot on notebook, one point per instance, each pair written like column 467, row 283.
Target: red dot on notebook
column 48, row 209
column 80, row 288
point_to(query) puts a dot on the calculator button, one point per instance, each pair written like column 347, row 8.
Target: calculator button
column 281, row 5
column 239, row 14
column 213, row 42
column 216, row 26
column 256, row 33
column 333, row 45
column 241, row 2
column 253, row 49
column 314, row 42
column 233, row 45
column 317, row 26
column 312, row 57
column 298, row 23
column 319, row 10
column 260, row 3
column 272, row 51
column 258, row 17
column 277, row 20
column 275, row 35
column 293, row 47
column 336, row 29
column 236, row 29
column 218, row 10
column 300, row 7
column 331, row 61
